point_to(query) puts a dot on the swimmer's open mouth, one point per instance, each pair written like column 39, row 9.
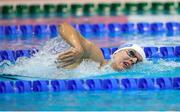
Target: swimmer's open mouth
column 126, row 65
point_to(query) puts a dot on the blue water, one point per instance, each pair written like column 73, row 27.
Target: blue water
column 159, row 100
column 153, row 68
column 42, row 66
column 99, row 100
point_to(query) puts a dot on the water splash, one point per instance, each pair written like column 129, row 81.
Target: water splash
column 43, row 65
column 158, row 68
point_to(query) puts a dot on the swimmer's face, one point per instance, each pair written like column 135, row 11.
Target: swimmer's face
column 125, row 59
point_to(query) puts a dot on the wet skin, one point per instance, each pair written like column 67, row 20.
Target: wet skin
column 85, row 49
column 125, row 59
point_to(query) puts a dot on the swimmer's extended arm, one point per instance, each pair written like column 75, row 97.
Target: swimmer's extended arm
column 82, row 48
column 91, row 51
column 69, row 34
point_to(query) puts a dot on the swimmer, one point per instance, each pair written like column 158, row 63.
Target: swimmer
column 124, row 58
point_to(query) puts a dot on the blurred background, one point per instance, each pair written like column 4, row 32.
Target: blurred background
column 29, row 23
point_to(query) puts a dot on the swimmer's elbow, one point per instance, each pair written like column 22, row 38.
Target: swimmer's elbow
column 62, row 27
column 66, row 29
column 63, row 24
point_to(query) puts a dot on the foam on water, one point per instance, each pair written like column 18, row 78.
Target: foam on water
column 155, row 67
column 43, row 65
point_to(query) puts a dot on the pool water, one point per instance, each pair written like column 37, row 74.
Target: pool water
column 94, row 100
column 159, row 100
column 42, row 66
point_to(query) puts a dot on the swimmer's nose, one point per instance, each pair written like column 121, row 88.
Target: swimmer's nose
column 133, row 60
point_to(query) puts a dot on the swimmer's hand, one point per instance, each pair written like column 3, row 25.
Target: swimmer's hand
column 70, row 57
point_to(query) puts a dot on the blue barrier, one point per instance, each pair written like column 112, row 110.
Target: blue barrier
column 164, row 83
column 13, row 55
column 76, row 26
column 176, row 83
column 41, row 31
column 113, row 49
column 86, row 30
column 177, row 51
column 93, row 30
column 21, row 53
column 167, row 52
column 2, row 33
column 144, row 28
column 157, row 29
column 99, row 30
column 129, row 83
column 40, row 85
column 129, row 28
column 54, row 32
column 145, row 83
column 26, row 53
column 150, row 52
column 75, row 84
column 58, row 85
column 106, row 52
column 94, row 84
column 111, row 84
column 31, row 52
column 6, row 87
column 7, row 55
column 173, row 28
column 23, row 86
column 115, row 29
column 18, row 53
column 11, row 32
column 27, row 31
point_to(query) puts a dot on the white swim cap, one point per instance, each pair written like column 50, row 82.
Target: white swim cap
column 136, row 47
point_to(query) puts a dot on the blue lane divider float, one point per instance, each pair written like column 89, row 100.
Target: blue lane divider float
column 53, row 30
column 157, row 29
column 173, row 28
column 7, row 55
column 1, row 32
column 86, row 30
column 115, row 29
column 41, row 31
column 12, row 32
column 129, row 29
column 94, row 30
column 13, row 55
column 151, row 52
column 144, row 28
column 99, row 30
column 24, row 86
column 27, row 31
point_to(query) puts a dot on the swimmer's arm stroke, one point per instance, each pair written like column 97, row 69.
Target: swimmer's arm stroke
column 81, row 48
